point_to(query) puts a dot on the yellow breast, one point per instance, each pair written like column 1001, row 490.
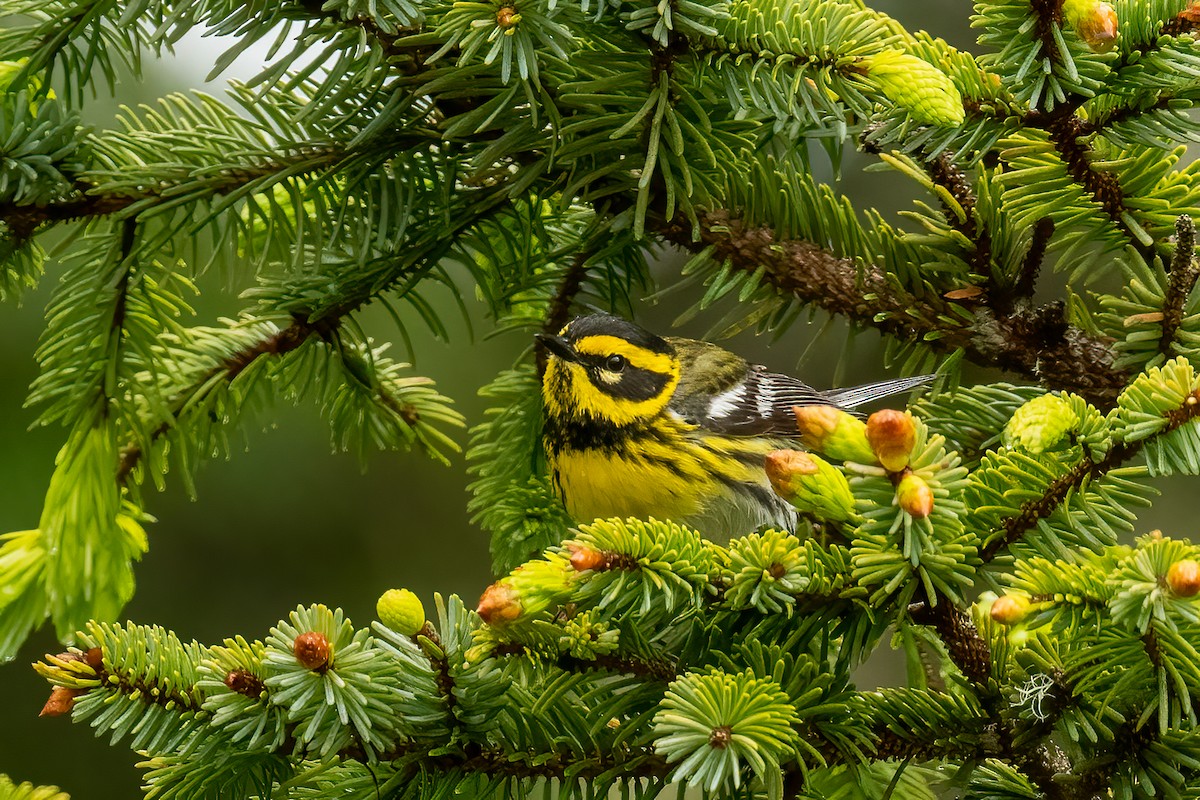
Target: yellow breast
column 677, row 476
column 598, row 484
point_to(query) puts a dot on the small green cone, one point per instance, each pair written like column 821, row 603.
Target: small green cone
column 1040, row 424
column 912, row 83
column 811, row 484
column 401, row 611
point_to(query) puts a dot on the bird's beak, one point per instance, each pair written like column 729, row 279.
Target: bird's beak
column 558, row 346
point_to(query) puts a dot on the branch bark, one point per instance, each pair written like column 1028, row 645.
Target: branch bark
column 1035, row 343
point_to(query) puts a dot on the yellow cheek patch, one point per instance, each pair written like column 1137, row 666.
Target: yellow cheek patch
column 615, row 410
column 637, row 356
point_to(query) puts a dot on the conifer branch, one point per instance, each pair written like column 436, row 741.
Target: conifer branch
column 1035, row 344
column 1034, row 510
column 1083, row 471
column 971, row 654
column 304, row 326
column 1065, row 130
column 1184, row 272
column 1026, row 283
column 944, row 172
column 91, row 201
column 966, row 648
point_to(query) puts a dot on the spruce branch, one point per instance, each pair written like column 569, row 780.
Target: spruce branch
column 1026, row 283
column 945, row 173
column 1034, row 510
column 559, row 311
column 90, row 200
column 1066, row 130
column 966, row 648
column 274, row 344
column 1184, row 272
column 1035, row 344
column 414, row 260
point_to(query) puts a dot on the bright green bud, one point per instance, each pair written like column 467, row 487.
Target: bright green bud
column 534, row 586
column 1041, row 423
column 916, row 85
column 811, row 484
column 915, row 496
column 834, row 433
column 401, row 610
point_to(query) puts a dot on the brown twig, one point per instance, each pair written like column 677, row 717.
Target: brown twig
column 1184, row 272
column 560, row 307
column 945, row 173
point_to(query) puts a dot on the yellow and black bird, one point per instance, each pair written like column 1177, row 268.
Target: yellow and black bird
column 638, row 425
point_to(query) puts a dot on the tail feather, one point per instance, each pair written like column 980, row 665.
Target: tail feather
column 857, row 395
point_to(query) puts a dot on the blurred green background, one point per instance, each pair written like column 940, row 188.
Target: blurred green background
column 286, row 522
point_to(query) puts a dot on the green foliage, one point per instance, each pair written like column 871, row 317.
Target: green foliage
column 27, row 791
column 535, row 153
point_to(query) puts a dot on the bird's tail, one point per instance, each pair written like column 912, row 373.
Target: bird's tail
column 856, row 396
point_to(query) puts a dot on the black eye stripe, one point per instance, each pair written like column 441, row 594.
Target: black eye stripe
column 633, row 383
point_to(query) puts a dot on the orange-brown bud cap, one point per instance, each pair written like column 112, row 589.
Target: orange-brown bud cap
column 499, row 604
column 312, row 650
column 811, row 484
column 1095, row 21
column 834, row 433
column 915, row 496
column 892, row 435
column 784, row 466
column 94, row 658
column 584, row 558
column 1009, row 609
column 507, row 16
column 61, row 701
column 1184, row 578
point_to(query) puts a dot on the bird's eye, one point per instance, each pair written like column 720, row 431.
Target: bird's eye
column 615, row 363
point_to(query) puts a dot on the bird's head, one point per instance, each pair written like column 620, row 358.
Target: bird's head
column 606, row 369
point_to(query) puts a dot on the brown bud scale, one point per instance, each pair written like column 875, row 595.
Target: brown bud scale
column 312, row 650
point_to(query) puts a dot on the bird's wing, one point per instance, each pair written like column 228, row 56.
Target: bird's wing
column 758, row 405
column 761, row 404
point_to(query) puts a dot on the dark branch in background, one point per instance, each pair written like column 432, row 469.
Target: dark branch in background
column 1038, row 345
column 1026, row 282
column 559, row 311
column 1184, row 272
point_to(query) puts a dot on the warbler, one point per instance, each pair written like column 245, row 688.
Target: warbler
column 638, row 425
